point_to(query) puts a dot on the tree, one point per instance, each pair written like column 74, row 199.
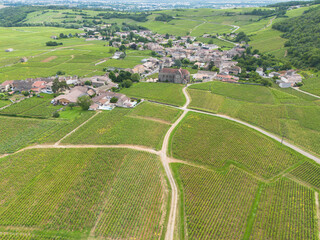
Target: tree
column 112, row 76
column 55, row 85
column 56, row 114
column 72, row 105
column 122, row 48
column 25, row 93
column 53, row 43
column 210, row 41
column 135, row 77
column 177, row 63
column 170, row 43
column 215, row 69
column 60, row 73
column 127, row 83
column 112, row 50
column 114, row 100
column 84, row 102
column 88, row 83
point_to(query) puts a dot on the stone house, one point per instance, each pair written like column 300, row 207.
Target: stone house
column 181, row 76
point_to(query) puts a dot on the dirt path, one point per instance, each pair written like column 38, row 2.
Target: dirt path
column 310, row 94
column 170, row 235
column 222, row 39
column 57, row 143
column 54, row 146
column 151, row 119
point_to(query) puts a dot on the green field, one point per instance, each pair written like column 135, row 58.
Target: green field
column 32, row 107
column 312, row 85
column 75, row 56
column 221, row 142
column 4, row 103
column 159, row 92
column 248, row 93
column 16, row 133
column 308, row 173
column 78, row 57
column 72, row 193
column 215, row 205
column 286, row 211
column 285, row 112
column 156, row 112
column 118, row 127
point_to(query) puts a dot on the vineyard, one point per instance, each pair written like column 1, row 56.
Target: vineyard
column 204, row 100
column 4, row 103
column 32, row 107
column 216, row 205
column 68, row 192
column 117, row 127
column 160, row 92
column 135, row 207
column 286, row 211
column 16, row 133
column 220, row 142
column 285, row 112
column 157, row 112
column 309, row 173
column 248, row 93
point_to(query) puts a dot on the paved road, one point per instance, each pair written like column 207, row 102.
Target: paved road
column 219, row 37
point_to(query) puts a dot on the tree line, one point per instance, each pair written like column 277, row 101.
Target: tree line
column 303, row 38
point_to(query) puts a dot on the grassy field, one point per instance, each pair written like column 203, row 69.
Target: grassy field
column 221, row 142
column 285, row 112
column 78, row 188
column 75, row 56
column 160, row 92
column 78, row 57
column 118, row 127
column 16, row 133
column 215, row 204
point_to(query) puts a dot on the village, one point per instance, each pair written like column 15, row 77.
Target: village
column 169, row 55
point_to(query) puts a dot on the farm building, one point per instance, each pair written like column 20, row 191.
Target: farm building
column 73, row 95
column 181, row 76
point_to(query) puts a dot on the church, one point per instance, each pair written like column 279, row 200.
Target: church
column 173, row 75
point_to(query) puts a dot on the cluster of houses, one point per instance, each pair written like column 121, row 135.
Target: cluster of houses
column 169, row 50
column 101, row 99
column 99, row 91
column 285, row 79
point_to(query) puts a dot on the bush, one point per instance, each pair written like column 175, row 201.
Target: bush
column 114, row 100
column 84, row 102
column 53, row 43
column 55, row 115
